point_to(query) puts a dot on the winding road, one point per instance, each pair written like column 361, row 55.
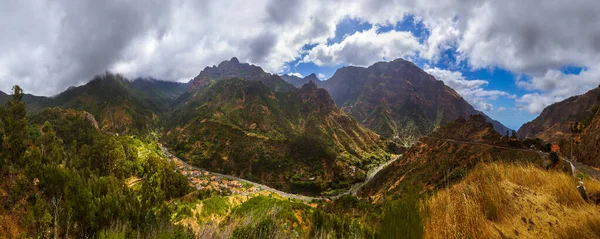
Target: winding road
column 351, row 191
column 575, row 166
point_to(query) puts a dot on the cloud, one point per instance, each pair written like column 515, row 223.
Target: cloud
column 365, row 48
column 322, row 76
column 296, row 74
column 471, row 90
column 49, row 45
column 554, row 86
column 534, row 103
column 500, row 109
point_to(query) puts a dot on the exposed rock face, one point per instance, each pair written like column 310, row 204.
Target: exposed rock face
column 555, row 121
column 233, row 68
column 397, row 99
column 92, row 120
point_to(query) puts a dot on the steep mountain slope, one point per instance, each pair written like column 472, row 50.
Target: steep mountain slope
column 121, row 106
column 588, row 147
column 397, row 99
column 298, row 141
column 233, row 68
column 555, row 121
column 298, row 82
column 446, row 156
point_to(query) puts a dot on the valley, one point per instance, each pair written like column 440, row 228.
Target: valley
column 376, row 152
column 231, row 182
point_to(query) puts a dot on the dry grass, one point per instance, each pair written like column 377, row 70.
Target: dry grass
column 510, row 201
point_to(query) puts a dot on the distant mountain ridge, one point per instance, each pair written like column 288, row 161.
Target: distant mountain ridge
column 556, row 120
column 299, row 82
column 398, row 100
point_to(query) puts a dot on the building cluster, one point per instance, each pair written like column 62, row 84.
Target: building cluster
column 201, row 179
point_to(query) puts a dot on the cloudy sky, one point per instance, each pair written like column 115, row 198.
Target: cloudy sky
column 509, row 58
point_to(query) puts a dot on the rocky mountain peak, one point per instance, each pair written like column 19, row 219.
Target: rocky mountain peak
column 234, row 69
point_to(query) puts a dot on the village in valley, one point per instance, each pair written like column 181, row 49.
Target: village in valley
column 202, row 179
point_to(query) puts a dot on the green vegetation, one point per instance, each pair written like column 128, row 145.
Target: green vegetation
column 69, row 178
column 214, row 206
column 402, row 218
column 296, row 141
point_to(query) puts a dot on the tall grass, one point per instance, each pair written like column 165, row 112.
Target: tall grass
column 499, row 199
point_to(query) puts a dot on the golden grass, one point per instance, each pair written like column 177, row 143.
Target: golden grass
column 499, row 200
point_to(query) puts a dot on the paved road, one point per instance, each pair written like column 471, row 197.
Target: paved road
column 351, row 191
column 575, row 166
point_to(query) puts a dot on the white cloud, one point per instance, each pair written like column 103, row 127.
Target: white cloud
column 322, row 76
column 554, row 86
column 534, row 103
column 296, row 74
column 49, row 45
column 365, row 48
column 471, row 90
column 500, row 109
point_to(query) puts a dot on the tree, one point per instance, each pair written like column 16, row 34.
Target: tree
column 14, row 136
column 514, row 134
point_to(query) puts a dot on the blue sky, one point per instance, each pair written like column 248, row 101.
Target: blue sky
column 501, row 58
column 504, row 108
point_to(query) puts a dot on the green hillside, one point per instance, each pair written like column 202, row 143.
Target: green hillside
column 298, row 141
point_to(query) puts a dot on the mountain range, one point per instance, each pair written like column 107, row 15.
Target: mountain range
column 95, row 147
column 237, row 119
